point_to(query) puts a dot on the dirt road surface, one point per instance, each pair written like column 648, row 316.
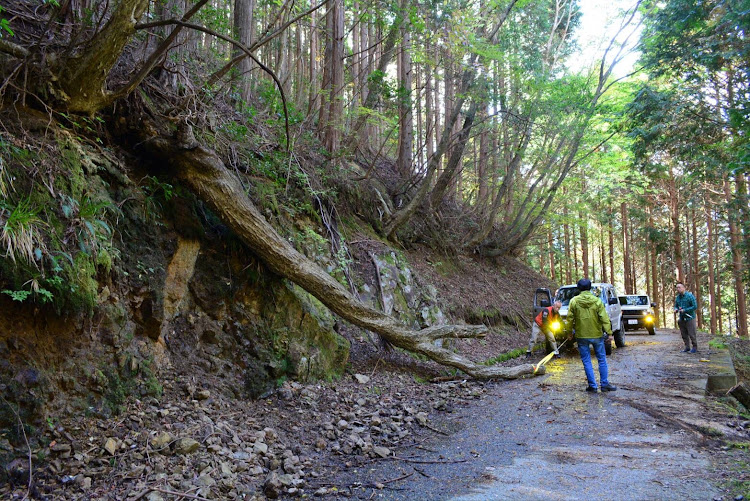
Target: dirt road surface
column 657, row 437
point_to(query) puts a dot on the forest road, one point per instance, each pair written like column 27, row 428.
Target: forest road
column 546, row 438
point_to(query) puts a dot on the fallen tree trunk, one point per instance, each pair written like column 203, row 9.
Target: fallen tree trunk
column 204, row 172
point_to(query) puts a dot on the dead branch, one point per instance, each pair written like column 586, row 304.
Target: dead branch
column 145, row 492
column 13, row 49
column 425, row 461
column 243, row 49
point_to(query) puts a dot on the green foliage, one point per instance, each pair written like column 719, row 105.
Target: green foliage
column 717, row 343
column 156, row 193
column 19, row 296
column 5, row 25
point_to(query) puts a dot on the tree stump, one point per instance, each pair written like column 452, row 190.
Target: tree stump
column 741, row 392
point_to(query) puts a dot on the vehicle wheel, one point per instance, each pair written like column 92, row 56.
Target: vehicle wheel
column 608, row 347
column 620, row 336
column 651, row 330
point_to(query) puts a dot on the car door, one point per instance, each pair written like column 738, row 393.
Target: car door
column 614, row 310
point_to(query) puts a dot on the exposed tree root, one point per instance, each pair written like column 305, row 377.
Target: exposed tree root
column 204, row 171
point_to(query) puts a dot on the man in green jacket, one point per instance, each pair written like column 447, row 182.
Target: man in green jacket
column 587, row 315
column 685, row 305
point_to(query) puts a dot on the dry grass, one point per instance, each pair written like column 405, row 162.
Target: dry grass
column 21, row 233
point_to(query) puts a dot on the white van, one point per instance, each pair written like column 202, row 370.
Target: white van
column 608, row 295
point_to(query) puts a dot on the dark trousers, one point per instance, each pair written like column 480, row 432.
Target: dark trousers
column 687, row 329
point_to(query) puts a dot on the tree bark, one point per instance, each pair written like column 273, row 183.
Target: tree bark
column 611, row 233
column 711, row 277
column 603, row 255
column 625, row 247
column 566, row 236
column 583, row 223
column 551, row 251
column 654, row 271
column 244, row 28
column 675, row 215
column 205, row 173
column 737, row 266
column 697, row 275
column 406, row 119
column 84, row 78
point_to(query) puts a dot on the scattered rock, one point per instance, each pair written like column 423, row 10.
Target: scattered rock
column 186, row 446
column 202, row 395
column 362, row 379
column 272, row 487
column 161, row 442
column 206, row 480
column 381, row 451
column 110, row 446
column 61, row 450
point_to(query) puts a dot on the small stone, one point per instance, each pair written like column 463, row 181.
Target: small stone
column 285, row 393
column 362, row 379
column 381, row 451
column 186, row 446
column 421, row 418
column 161, row 441
column 154, row 496
column 110, row 446
column 202, row 395
column 320, row 492
column 62, row 450
column 206, row 480
column 270, row 435
column 260, row 448
column 342, row 424
column 272, row 486
column 286, row 479
column 226, row 470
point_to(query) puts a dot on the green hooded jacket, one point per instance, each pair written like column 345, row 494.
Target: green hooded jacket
column 586, row 314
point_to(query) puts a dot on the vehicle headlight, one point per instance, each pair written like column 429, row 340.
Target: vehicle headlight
column 649, row 319
column 555, row 326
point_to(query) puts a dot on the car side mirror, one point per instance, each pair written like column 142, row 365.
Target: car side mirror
column 613, row 300
column 653, row 305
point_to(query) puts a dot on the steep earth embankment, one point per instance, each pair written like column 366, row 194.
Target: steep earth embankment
column 134, row 303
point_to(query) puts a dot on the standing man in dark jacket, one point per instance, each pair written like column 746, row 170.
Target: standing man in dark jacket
column 685, row 305
column 587, row 315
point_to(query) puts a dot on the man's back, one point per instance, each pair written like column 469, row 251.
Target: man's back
column 588, row 316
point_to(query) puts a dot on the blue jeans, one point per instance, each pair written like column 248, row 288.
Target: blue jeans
column 601, row 357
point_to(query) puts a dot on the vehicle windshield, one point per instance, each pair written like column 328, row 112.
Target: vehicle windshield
column 634, row 300
column 565, row 294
